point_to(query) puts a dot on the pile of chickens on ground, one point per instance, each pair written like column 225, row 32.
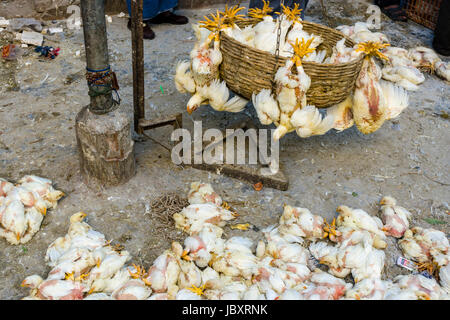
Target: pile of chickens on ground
column 23, row 207
column 286, row 264
column 372, row 102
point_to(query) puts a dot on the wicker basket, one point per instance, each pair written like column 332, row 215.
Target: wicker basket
column 246, row 69
column 424, row 12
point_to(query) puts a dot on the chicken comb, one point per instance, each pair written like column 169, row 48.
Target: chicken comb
column 260, row 13
column 372, row 49
column 301, row 49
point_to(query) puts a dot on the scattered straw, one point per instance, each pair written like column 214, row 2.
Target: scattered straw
column 163, row 208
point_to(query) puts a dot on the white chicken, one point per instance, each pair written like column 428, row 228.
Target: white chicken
column 203, row 193
column 369, row 106
column 203, row 78
column 266, row 34
column 368, row 289
column 325, row 287
column 442, row 69
column 342, row 114
column 201, row 247
column 396, row 99
column 13, row 221
column 133, row 289
column 444, row 278
column 424, row 58
column 308, row 122
column 192, row 218
column 23, row 207
column 53, row 289
column 301, row 222
column 424, row 288
column 394, row 217
column 358, row 219
column 405, row 76
column 342, row 54
column 165, row 271
column 237, row 259
column 424, row 245
column 297, row 32
column 266, row 107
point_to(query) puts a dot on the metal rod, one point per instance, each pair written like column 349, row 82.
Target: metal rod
column 137, row 34
column 96, row 46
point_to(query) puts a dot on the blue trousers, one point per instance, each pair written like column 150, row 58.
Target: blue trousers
column 153, row 7
column 276, row 5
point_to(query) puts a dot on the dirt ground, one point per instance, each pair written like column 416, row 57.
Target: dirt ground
column 407, row 158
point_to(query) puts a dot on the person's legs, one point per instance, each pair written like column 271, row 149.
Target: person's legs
column 150, row 9
column 165, row 15
column 441, row 41
column 393, row 9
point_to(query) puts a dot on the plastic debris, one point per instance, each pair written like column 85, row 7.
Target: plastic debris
column 55, row 30
column 11, row 52
column 407, row 264
column 48, row 52
column 31, row 37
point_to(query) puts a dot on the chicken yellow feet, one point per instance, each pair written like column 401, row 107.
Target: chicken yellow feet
column 301, row 49
column 260, row 13
column 371, row 48
column 139, row 272
column 82, row 277
column 292, row 14
column 197, row 290
column 241, row 226
column 215, row 23
column 69, row 276
column 231, row 15
column 226, row 206
column 185, row 256
column 431, row 267
column 330, row 230
column 147, row 282
column 118, row 247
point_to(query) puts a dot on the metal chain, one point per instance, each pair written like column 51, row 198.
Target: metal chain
column 277, row 50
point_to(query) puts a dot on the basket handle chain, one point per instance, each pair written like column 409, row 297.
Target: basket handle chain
column 277, row 50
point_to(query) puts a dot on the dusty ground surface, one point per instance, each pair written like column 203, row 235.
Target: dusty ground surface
column 407, row 158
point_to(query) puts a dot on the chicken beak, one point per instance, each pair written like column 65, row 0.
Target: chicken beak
column 191, row 109
column 24, row 284
column 98, row 262
column 18, row 236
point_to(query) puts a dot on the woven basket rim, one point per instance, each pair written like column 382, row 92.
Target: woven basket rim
column 311, row 63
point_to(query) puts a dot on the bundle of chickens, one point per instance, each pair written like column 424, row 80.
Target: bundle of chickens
column 372, row 103
column 286, row 264
column 402, row 66
column 23, row 207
